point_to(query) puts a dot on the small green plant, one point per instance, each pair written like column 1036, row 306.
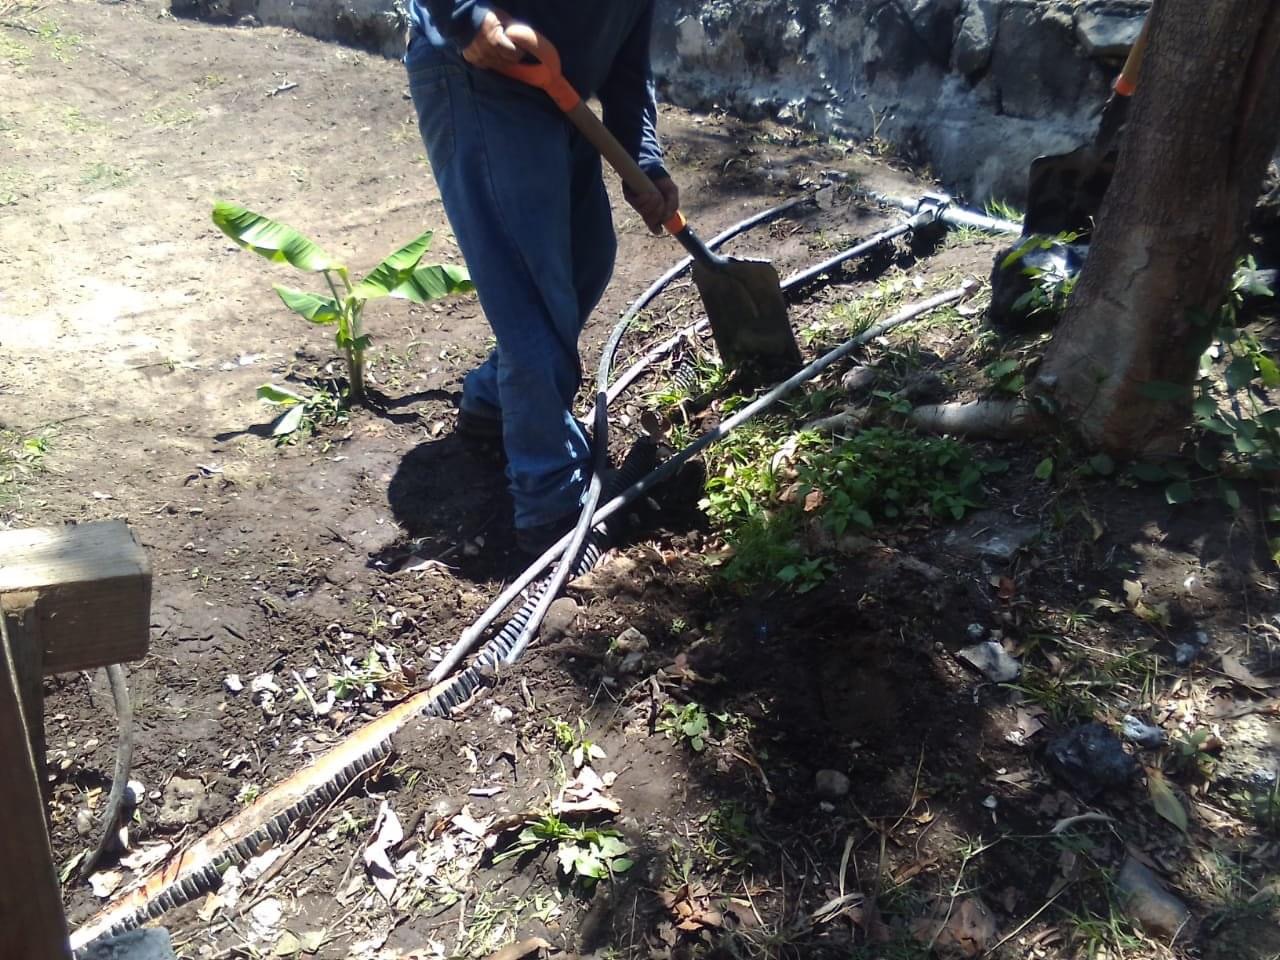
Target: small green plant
column 803, row 574
column 575, row 743
column 401, row 275
column 248, row 793
column 1004, row 211
column 701, row 375
column 1005, row 375
column 1191, row 754
column 309, row 411
column 1237, row 425
column 730, row 841
column 364, row 679
column 690, row 724
column 1051, row 286
column 21, row 457
column 584, row 853
column 1263, row 805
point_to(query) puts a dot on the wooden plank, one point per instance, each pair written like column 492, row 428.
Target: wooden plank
column 19, row 610
column 94, row 585
column 31, row 920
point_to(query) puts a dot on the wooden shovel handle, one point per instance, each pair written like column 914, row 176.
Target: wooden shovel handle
column 545, row 74
column 1127, row 82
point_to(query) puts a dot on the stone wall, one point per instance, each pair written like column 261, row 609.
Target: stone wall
column 973, row 88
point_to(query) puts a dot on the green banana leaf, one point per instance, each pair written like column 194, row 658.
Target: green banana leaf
column 277, row 242
column 394, row 270
column 280, row 396
column 289, row 421
column 433, row 282
column 313, row 307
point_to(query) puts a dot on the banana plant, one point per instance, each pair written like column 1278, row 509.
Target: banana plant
column 401, row 275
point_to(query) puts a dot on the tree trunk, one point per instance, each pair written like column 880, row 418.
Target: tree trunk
column 1202, row 128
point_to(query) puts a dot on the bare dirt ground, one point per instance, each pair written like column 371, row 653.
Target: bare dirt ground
column 858, row 790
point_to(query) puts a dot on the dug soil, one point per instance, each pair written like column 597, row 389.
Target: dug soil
column 859, row 788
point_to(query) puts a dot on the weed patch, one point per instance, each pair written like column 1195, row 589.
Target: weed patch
column 21, row 458
column 765, row 497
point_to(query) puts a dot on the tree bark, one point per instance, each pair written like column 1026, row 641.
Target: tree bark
column 1202, row 128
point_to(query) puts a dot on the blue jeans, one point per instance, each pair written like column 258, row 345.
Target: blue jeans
column 524, row 195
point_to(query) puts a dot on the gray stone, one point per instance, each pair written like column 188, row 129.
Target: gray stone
column 1034, row 62
column 1146, row 900
column 991, row 658
column 971, row 52
column 992, row 535
column 180, row 805
column 1140, row 732
column 1107, row 31
column 1252, row 755
column 923, row 387
column 859, row 381
column 151, row 943
column 631, row 640
column 831, row 784
column 560, row 619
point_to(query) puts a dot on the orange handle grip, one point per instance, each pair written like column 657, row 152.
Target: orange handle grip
column 1127, row 82
column 545, row 73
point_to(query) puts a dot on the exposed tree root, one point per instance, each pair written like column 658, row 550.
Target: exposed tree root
column 984, row 419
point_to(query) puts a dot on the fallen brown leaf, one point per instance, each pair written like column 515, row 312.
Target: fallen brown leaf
column 517, row 951
column 1241, row 674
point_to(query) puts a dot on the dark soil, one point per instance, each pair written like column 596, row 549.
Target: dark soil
column 134, row 344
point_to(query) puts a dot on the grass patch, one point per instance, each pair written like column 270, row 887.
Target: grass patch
column 171, row 118
column 1002, row 210
column 765, row 495
column 62, row 46
column 21, row 459
column 14, row 53
column 104, row 176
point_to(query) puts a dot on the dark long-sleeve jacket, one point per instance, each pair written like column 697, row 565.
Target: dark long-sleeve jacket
column 604, row 52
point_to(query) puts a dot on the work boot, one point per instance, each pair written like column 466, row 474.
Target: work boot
column 641, row 459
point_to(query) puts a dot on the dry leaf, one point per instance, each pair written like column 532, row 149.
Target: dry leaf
column 1241, row 674
column 1165, row 800
column 969, row 930
column 105, row 883
column 377, row 855
column 1132, row 593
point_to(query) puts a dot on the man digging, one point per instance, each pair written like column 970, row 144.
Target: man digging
column 524, row 195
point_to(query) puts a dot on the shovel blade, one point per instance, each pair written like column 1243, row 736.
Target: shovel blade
column 1065, row 191
column 743, row 300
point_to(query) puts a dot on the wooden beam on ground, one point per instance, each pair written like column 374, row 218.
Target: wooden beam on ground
column 93, row 581
column 31, row 919
column 71, row 598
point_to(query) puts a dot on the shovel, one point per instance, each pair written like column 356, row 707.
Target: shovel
column 1064, row 191
column 743, row 298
